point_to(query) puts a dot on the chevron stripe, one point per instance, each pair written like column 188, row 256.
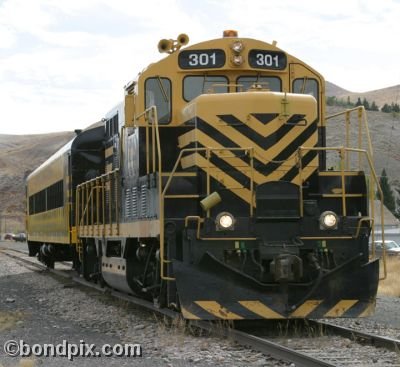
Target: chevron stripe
column 290, row 142
column 219, row 175
column 265, row 117
column 260, row 309
column 305, row 161
column 218, row 310
column 341, row 307
column 264, row 142
column 241, row 166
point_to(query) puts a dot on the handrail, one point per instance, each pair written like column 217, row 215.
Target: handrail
column 151, row 119
column 361, row 114
column 96, row 185
column 361, row 152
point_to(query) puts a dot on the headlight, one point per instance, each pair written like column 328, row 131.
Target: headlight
column 237, row 46
column 328, row 220
column 224, row 221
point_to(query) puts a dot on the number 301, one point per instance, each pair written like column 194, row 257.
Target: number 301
column 202, row 59
column 267, row 60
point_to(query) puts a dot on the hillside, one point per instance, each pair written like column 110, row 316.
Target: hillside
column 380, row 96
column 19, row 155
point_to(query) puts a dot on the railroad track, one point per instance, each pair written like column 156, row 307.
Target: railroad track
column 308, row 353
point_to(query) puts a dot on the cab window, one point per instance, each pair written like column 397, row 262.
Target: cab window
column 195, row 85
column 158, row 93
column 269, row 82
column 306, row 86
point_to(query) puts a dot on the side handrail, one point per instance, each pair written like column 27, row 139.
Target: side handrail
column 361, row 152
column 362, row 120
column 89, row 187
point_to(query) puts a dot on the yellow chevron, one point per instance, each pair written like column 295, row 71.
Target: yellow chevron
column 306, row 308
column 369, row 310
column 188, row 315
column 246, row 169
column 261, row 310
column 260, row 153
column 217, row 310
column 306, row 172
column 341, row 307
column 217, row 174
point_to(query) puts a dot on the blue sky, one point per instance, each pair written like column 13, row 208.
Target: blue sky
column 63, row 63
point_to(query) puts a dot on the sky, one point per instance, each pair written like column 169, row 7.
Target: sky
column 63, row 63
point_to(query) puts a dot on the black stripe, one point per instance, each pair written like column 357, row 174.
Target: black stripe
column 305, row 160
column 227, row 168
column 265, row 117
column 263, row 142
column 262, row 168
column 290, row 149
column 231, row 171
column 222, row 139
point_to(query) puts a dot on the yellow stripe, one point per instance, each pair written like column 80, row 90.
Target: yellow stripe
column 217, row 310
column 306, row 172
column 219, row 175
column 261, row 310
column 341, row 307
column 188, row 315
column 306, row 308
column 369, row 310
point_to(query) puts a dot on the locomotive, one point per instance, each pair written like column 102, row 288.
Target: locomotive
column 207, row 190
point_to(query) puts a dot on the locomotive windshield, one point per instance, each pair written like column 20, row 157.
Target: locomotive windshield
column 269, row 82
column 195, row 85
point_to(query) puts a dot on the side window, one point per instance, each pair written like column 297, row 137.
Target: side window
column 158, row 93
column 195, row 85
column 306, row 86
column 270, row 82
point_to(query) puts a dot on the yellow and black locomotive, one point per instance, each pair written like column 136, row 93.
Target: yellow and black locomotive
column 207, row 190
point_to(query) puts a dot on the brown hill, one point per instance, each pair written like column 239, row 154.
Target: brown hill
column 380, row 96
column 20, row 155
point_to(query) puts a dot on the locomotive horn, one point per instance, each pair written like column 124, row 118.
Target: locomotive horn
column 182, row 40
column 165, row 45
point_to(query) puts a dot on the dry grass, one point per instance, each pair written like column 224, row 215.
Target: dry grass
column 24, row 363
column 391, row 285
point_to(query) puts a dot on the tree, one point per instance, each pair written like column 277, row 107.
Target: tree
column 331, row 101
column 365, row 103
column 359, row 103
column 374, row 107
column 386, row 108
column 388, row 197
column 349, row 102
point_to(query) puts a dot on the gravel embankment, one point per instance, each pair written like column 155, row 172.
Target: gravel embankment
column 39, row 309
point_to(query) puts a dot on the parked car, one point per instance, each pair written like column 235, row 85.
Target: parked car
column 392, row 248
column 20, row 237
column 9, row 236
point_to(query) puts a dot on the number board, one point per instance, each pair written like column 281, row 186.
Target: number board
column 201, row 59
column 263, row 59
